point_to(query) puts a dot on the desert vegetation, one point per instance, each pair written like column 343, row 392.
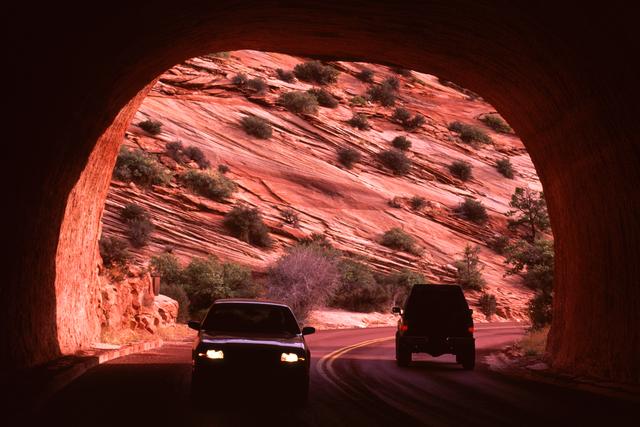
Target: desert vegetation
column 359, row 121
column 139, row 224
column 401, row 143
column 316, row 72
column 385, row 93
column 469, row 269
column 113, row 251
column 324, row 97
column 505, row 167
column 291, row 217
column 488, row 304
column 470, row 134
column 299, row 102
column 461, row 170
column 529, row 209
column 417, row 203
column 348, row 157
column 285, row 76
column 256, row 126
column 366, row 75
column 473, row 210
column 181, row 154
column 410, row 123
column 496, row 123
column 212, row 185
column 246, row 224
column 139, row 167
column 152, row 127
column 396, row 161
column 398, row 239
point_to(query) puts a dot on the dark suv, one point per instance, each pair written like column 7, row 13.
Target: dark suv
column 436, row 319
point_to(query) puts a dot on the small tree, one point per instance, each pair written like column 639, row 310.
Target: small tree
column 357, row 289
column 395, row 160
column 401, row 143
column 256, row 126
column 139, row 224
column 303, row 278
column 530, row 210
column 534, row 260
column 348, row 157
column 473, row 210
column 488, row 305
column 168, row 267
column 246, row 224
column 461, row 170
column 539, row 310
column 505, row 167
column 152, row 127
column 469, row 269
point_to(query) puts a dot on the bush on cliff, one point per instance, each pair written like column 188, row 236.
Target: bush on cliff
column 212, row 185
column 256, row 126
column 299, row 102
column 315, row 71
column 113, row 251
column 395, row 160
column 246, row 224
column 138, row 167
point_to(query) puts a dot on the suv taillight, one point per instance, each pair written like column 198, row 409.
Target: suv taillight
column 404, row 328
column 472, row 329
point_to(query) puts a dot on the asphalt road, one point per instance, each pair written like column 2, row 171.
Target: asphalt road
column 355, row 382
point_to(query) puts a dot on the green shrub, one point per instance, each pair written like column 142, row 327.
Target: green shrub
column 238, row 279
column 505, row 167
column 177, row 293
column 348, row 157
column 289, row 216
column 303, row 278
column 470, row 134
column 402, row 71
column 168, row 267
column 358, row 100
column 152, row 127
column 324, row 97
column 365, row 75
column 539, row 310
column 256, row 126
column 461, row 170
column 315, row 71
column 136, row 166
column 299, row 102
column 223, row 168
column 499, row 243
column 399, row 284
column 496, row 123
column 246, row 224
column 240, row 79
column 113, row 251
column 357, row 289
column 473, row 210
column 204, row 282
column 139, row 224
column 417, row 202
column 401, row 143
column 469, row 273
column 384, row 94
column 197, row 155
column 174, row 149
column 538, row 260
column 214, row 186
column 403, row 116
column 396, row 238
column 392, row 82
column 257, row 85
column 285, row 76
column 395, row 160
column 359, row 121
column 488, row 304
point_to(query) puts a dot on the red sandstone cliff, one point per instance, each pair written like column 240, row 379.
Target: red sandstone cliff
column 197, row 103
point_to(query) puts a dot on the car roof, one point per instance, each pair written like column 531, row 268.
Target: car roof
column 248, row 301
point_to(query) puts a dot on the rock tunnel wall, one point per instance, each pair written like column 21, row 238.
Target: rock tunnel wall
column 560, row 77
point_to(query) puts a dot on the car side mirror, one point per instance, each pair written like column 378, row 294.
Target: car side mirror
column 308, row 330
column 194, row 324
column 396, row 310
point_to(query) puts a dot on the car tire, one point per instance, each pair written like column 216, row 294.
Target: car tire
column 468, row 359
column 403, row 355
column 302, row 394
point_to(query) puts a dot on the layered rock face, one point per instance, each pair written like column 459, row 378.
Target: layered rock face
column 297, row 168
column 563, row 80
column 129, row 302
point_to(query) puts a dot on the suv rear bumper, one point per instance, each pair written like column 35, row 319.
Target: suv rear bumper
column 437, row 346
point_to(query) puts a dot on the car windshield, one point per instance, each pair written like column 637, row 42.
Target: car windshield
column 262, row 318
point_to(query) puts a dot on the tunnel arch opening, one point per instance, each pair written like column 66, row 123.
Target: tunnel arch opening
column 562, row 125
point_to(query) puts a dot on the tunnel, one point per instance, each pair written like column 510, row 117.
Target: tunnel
column 562, row 77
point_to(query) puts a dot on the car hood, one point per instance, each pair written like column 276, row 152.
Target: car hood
column 257, row 340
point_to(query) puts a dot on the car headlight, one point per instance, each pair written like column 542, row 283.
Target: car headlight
column 290, row 358
column 212, row 354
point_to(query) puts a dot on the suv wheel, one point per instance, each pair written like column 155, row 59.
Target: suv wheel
column 403, row 355
column 468, row 359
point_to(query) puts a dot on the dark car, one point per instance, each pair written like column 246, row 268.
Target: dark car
column 436, row 319
column 248, row 345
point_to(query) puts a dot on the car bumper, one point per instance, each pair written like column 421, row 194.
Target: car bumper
column 437, row 346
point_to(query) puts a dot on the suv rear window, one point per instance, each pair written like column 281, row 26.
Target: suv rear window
column 435, row 301
column 262, row 318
